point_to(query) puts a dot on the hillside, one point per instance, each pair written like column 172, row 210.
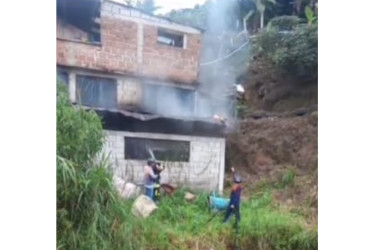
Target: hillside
column 279, row 154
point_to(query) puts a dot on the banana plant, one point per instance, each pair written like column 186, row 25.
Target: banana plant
column 310, row 17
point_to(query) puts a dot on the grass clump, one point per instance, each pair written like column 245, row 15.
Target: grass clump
column 287, row 178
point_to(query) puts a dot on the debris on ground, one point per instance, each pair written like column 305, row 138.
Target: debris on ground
column 126, row 190
column 167, row 189
column 143, row 206
column 119, row 183
column 189, row 197
column 130, row 190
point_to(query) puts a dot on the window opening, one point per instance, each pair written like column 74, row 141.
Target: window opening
column 163, row 150
column 170, row 39
column 96, row 91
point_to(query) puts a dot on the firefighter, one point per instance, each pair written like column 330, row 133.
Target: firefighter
column 157, row 169
column 234, row 198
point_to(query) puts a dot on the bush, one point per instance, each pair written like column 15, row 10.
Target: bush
column 284, row 23
column 295, row 51
column 79, row 132
column 90, row 214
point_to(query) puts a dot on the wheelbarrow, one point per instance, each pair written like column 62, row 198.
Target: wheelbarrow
column 217, row 203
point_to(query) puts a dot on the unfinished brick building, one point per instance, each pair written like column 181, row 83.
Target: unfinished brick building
column 139, row 72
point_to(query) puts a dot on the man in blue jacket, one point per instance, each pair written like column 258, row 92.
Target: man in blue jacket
column 234, row 198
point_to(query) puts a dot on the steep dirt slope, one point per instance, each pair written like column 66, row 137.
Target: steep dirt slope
column 260, row 144
column 278, row 154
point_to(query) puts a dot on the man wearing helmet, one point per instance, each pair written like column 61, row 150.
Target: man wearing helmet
column 157, row 169
column 149, row 178
column 234, row 198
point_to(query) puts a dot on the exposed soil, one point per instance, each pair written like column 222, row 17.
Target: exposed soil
column 260, row 144
column 270, row 88
column 262, row 150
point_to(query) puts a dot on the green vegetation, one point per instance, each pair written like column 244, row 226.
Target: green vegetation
column 257, row 13
column 147, row 6
column 283, row 69
column 88, row 208
column 287, row 178
column 310, row 15
column 284, row 23
column 290, row 46
column 178, row 224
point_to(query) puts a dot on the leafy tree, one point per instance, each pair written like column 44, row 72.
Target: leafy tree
column 295, row 51
column 235, row 12
column 147, row 6
column 300, row 5
column 284, row 23
column 195, row 17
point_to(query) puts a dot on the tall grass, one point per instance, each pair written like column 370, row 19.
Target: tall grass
column 178, row 224
column 89, row 211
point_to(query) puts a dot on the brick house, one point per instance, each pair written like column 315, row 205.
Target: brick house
column 139, row 72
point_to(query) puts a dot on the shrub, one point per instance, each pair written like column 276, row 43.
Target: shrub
column 90, row 214
column 295, row 51
column 284, row 23
column 79, row 132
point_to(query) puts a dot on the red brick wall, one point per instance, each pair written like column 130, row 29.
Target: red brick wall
column 118, row 53
column 167, row 61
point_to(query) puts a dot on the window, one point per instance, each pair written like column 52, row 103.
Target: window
column 63, row 77
column 166, row 100
column 163, row 150
column 79, row 21
column 96, row 91
column 169, row 38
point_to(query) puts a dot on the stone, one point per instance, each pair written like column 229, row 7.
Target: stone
column 143, row 206
column 126, row 190
column 119, row 183
column 129, row 190
column 189, row 197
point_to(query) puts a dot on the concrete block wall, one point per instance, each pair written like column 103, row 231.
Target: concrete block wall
column 129, row 46
column 205, row 170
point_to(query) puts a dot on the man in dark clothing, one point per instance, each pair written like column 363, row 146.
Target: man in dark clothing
column 234, row 198
column 157, row 169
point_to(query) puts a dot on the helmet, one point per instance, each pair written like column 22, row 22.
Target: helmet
column 237, row 178
column 151, row 161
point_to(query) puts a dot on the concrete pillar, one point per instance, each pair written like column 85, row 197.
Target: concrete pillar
column 72, row 87
column 221, row 168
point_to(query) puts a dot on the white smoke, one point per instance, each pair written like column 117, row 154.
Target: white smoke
column 222, row 44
